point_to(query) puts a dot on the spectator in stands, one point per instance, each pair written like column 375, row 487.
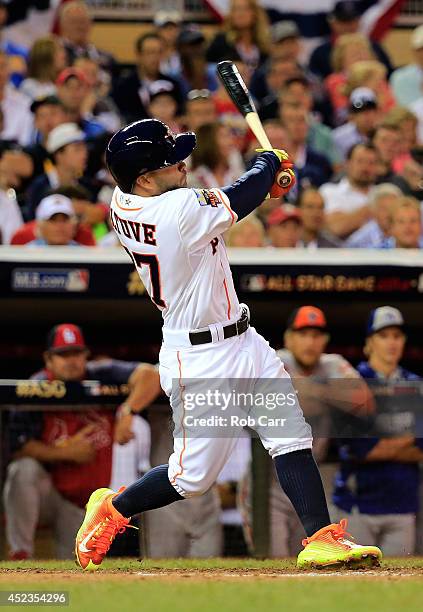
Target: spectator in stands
column 348, row 50
column 276, row 72
column 47, row 59
column 311, row 167
column 386, row 140
column 312, row 209
column 61, row 457
column 66, row 145
column 73, row 91
column 163, row 106
column 195, row 72
column 245, row 36
column 17, row 55
column 247, row 233
column 382, row 199
column 55, row 222
column 168, row 26
column 132, row 92
column 370, row 74
column 10, row 214
column 347, row 202
column 297, row 91
column 406, row 225
column 199, row 109
column 215, row 161
column 382, row 502
column 407, row 81
column 75, row 28
column 48, row 113
column 17, row 119
column 363, row 116
column 410, row 177
column 344, row 19
column 284, row 226
column 98, row 103
column 407, row 123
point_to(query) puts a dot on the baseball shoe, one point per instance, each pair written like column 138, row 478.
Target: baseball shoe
column 101, row 524
column 19, row 555
column 330, row 548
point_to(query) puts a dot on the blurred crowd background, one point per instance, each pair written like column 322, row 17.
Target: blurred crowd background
column 349, row 110
column 349, row 114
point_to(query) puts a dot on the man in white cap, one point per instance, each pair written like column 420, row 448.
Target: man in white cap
column 407, row 82
column 56, row 222
column 68, row 152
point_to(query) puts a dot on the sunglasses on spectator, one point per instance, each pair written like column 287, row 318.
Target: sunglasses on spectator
column 198, row 94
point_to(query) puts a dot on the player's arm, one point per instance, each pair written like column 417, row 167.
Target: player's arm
column 251, row 189
column 144, row 387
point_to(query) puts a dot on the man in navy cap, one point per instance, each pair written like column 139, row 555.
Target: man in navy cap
column 378, row 480
column 344, row 19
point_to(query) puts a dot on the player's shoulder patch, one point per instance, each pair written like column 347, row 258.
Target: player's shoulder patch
column 206, row 197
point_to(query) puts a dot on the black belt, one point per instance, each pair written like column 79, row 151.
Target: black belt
column 235, row 329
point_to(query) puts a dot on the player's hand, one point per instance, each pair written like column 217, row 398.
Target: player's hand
column 286, row 165
column 79, row 448
column 123, row 429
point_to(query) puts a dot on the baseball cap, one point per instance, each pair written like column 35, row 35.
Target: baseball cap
column 345, row 11
column 163, row 18
column 190, row 35
column 417, row 38
column 283, row 213
column 361, row 99
column 384, row 316
column 53, row 205
column 283, row 30
column 62, row 135
column 65, row 337
column 156, row 88
column 53, row 100
column 68, row 73
column 307, row 317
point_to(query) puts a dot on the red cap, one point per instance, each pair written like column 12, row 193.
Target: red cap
column 67, row 73
column 65, row 337
column 307, row 316
column 283, row 213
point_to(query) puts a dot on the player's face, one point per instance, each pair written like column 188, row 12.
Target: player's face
column 307, row 346
column 387, row 345
column 167, row 179
column 68, row 366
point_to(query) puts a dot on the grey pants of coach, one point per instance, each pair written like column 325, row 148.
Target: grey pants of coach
column 31, row 499
column 395, row 534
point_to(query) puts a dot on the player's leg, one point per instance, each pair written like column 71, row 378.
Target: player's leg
column 26, row 497
column 398, row 534
column 289, row 443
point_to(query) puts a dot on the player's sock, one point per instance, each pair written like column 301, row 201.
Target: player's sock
column 151, row 491
column 299, row 477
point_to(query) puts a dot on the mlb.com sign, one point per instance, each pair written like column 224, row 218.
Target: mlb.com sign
column 50, row 280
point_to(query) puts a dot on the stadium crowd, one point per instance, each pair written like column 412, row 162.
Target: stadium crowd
column 352, row 124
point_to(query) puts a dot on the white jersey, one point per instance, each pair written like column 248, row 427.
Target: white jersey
column 175, row 240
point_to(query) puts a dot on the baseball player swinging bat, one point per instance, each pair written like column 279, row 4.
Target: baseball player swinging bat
column 240, row 96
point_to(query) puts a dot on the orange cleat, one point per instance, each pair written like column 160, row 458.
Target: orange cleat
column 331, row 547
column 101, row 524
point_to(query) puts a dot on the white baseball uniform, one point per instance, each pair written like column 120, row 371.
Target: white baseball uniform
column 175, row 240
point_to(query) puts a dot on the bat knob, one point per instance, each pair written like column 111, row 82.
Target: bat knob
column 284, row 179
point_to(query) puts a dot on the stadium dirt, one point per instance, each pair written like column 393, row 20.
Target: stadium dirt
column 221, row 585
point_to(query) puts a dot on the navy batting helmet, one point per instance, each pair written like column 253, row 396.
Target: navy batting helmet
column 144, row 146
